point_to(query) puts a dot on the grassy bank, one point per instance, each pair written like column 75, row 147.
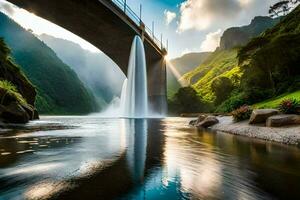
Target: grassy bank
column 274, row 102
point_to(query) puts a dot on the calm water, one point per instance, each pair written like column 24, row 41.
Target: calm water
column 141, row 159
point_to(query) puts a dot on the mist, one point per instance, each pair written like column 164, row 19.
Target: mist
column 96, row 70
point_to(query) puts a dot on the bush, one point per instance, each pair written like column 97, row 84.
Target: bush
column 235, row 101
column 222, row 88
column 242, row 113
column 289, row 106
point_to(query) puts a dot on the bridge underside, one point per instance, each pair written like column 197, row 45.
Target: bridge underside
column 102, row 24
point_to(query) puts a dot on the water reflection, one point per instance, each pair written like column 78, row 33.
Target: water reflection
column 136, row 133
column 144, row 159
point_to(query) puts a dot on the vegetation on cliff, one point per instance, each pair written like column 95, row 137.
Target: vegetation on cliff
column 265, row 67
column 271, row 61
column 183, row 65
column 17, row 94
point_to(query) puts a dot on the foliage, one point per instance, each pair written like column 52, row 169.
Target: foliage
column 186, row 100
column 8, row 90
column 236, row 100
column 289, row 106
column 282, row 7
column 222, row 63
column 222, row 88
column 56, row 83
column 4, row 50
column 242, row 113
column 269, row 61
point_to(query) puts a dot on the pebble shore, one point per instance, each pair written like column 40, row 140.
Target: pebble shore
column 286, row 135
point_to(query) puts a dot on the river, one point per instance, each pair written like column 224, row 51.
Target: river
column 97, row 158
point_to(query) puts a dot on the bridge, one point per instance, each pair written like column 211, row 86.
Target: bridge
column 109, row 25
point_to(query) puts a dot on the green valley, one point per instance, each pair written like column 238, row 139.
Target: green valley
column 59, row 90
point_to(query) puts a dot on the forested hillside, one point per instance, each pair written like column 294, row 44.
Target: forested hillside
column 183, row 65
column 96, row 70
column 271, row 61
column 59, row 89
column 219, row 80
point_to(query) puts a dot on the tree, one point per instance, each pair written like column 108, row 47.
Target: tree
column 186, row 100
column 282, row 7
column 222, row 87
column 4, row 50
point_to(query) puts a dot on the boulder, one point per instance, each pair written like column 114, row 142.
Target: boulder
column 31, row 111
column 207, row 122
column 197, row 121
column 14, row 113
column 298, row 110
column 261, row 115
column 201, row 118
column 193, row 122
column 36, row 115
column 283, row 120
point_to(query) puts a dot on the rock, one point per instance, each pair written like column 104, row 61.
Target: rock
column 261, row 115
column 207, row 122
column 201, row 118
column 283, row 120
column 298, row 110
column 197, row 121
column 36, row 115
column 193, row 122
column 31, row 111
column 14, row 113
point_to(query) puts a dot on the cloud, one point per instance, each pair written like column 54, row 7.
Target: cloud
column 169, row 16
column 211, row 41
column 245, row 3
column 7, row 8
column 201, row 14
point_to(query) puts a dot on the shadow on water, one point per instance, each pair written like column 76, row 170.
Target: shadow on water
column 148, row 159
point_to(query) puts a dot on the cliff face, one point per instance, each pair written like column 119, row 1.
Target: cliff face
column 10, row 72
column 240, row 36
column 17, row 94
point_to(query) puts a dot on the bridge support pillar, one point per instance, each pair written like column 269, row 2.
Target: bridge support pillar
column 157, row 87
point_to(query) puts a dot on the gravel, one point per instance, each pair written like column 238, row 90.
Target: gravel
column 286, row 135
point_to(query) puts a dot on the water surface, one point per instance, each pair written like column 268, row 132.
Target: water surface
column 96, row 158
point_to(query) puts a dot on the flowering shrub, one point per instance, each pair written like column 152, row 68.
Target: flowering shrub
column 289, row 106
column 242, row 113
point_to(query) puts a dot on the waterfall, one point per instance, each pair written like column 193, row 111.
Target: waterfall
column 134, row 98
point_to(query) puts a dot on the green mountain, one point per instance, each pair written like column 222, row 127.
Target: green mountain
column 59, row 89
column 270, row 62
column 189, row 61
column 96, row 70
column 183, row 65
column 240, row 36
column 223, row 63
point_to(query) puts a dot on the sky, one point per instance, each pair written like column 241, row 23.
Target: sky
column 188, row 25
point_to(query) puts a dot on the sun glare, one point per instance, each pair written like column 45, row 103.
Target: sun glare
column 176, row 73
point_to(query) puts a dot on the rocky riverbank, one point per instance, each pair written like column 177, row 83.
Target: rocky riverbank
column 286, row 135
column 266, row 124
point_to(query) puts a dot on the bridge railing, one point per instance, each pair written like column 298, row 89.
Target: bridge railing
column 138, row 21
